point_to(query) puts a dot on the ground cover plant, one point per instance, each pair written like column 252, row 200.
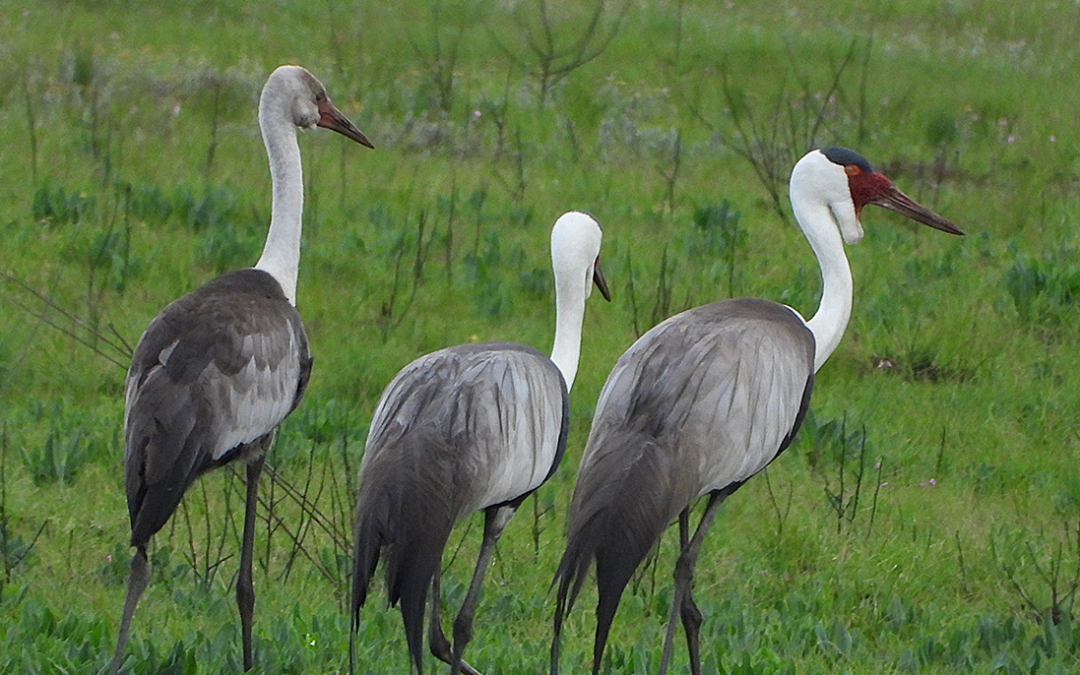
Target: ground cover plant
column 925, row 521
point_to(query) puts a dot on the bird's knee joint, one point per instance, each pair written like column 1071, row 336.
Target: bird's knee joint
column 439, row 646
column 690, row 613
column 462, row 630
column 684, row 569
column 245, row 594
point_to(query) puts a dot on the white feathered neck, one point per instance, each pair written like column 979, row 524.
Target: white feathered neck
column 575, row 246
column 281, row 254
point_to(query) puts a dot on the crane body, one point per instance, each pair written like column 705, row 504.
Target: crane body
column 475, row 427
column 705, row 400
column 218, row 369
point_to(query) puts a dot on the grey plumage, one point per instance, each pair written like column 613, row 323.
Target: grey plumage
column 217, row 370
column 210, row 379
column 212, row 376
column 707, row 399
column 467, row 428
column 470, row 394
column 699, row 404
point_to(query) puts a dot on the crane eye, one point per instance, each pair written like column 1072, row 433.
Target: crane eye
column 852, row 169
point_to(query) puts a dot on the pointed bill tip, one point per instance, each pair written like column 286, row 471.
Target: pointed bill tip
column 331, row 118
column 897, row 201
column 600, row 281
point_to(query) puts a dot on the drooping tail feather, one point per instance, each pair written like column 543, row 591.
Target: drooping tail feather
column 404, row 514
column 625, row 496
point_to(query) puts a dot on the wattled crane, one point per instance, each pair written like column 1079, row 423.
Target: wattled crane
column 706, row 399
column 464, row 429
column 218, row 369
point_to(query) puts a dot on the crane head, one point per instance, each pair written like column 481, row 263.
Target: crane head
column 575, row 248
column 299, row 95
column 866, row 186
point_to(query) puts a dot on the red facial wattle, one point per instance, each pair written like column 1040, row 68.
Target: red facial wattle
column 867, row 187
column 870, row 187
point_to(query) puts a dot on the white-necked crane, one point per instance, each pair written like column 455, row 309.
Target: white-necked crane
column 218, row 369
column 467, row 428
column 705, row 400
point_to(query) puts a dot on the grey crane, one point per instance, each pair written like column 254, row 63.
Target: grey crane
column 217, row 370
column 464, row 429
column 705, row 400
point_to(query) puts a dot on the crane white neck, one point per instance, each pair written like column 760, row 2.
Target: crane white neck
column 569, row 318
column 828, row 324
column 281, row 254
column 575, row 247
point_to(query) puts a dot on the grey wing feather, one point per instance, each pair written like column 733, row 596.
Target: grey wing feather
column 722, row 386
column 497, row 407
column 700, row 403
column 458, row 430
column 215, row 372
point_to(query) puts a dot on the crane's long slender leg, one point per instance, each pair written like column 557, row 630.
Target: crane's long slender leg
column 676, row 600
column 691, row 615
column 245, row 589
column 553, row 668
column 138, row 576
column 352, row 647
column 684, row 576
column 495, row 520
column 437, row 641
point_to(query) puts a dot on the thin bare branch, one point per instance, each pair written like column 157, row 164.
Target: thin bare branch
column 122, row 349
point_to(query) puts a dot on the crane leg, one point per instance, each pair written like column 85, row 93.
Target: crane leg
column 138, row 576
column 553, row 668
column 689, row 612
column 495, row 521
column 245, row 589
column 684, row 576
column 437, row 641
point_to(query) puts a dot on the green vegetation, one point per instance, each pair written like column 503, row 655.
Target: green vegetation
column 928, row 518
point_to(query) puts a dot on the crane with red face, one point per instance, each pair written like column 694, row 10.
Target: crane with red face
column 705, row 400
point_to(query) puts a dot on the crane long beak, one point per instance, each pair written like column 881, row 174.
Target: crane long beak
column 600, row 281
column 331, row 118
column 895, row 200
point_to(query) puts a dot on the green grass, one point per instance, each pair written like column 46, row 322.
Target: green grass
column 133, row 171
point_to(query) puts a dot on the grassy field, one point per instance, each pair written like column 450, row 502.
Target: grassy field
column 927, row 520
